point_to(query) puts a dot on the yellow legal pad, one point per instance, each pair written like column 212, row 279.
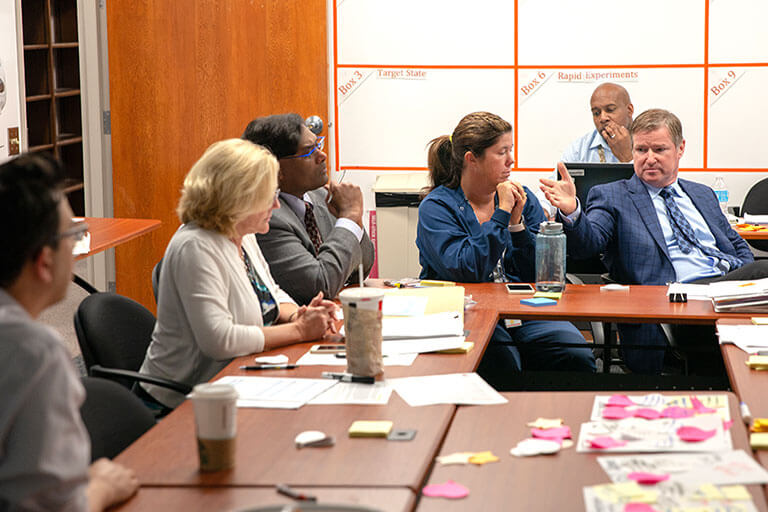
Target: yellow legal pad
column 463, row 349
column 760, row 320
column 370, row 428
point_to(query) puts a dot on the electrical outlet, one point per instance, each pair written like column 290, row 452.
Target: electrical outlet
column 13, row 141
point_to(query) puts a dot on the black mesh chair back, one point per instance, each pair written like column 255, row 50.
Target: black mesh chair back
column 113, row 331
column 756, row 203
column 113, row 416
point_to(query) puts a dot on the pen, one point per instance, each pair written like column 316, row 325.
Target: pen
column 346, row 377
column 270, row 367
column 296, row 495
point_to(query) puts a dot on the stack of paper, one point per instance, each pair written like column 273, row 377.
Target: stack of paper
column 749, row 338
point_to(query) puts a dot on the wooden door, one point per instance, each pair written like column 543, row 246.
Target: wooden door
column 186, row 73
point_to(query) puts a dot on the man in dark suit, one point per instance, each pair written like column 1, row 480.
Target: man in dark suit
column 653, row 228
column 316, row 240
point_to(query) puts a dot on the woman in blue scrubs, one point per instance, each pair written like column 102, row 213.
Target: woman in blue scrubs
column 476, row 226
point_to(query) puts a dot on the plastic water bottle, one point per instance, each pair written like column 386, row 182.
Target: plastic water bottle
column 722, row 194
column 550, row 257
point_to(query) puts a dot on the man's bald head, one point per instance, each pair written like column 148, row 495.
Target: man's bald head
column 610, row 102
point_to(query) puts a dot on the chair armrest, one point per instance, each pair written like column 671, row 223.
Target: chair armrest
column 573, row 279
column 100, row 371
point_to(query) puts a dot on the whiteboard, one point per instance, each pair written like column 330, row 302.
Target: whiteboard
column 404, row 72
column 614, row 32
column 542, row 139
column 413, row 109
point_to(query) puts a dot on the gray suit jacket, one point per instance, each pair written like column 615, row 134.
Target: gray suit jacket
column 292, row 259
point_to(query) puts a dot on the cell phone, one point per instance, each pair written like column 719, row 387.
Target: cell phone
column 328, row 349
column 519, row 288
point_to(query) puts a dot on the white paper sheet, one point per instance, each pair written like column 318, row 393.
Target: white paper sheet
column 276, row 392
column 656, row 435
column 404, row 305
column 454, row 388
column 749, row 338
column 671, row 497
column 427, row 326
column 420, row 345
column 720, row 468
column 354, row 393
column 657, row 401
column 310, row 359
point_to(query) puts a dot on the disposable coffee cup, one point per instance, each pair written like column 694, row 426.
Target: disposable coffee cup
column 362, row 329
column 215, row 424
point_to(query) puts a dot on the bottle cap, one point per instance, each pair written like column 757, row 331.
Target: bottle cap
column 551, row 228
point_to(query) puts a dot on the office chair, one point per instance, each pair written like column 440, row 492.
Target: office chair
column 156, row 277
column 114, row 333
column 756, row 203
column 113, row 416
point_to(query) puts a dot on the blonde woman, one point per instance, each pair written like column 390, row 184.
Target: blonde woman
column 217, row 299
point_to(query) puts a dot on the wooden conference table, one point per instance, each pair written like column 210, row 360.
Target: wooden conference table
column 107, row 232
column 166, row 456
column 532, row 483
column 750, row 385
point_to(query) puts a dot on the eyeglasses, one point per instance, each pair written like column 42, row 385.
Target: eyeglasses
column 277, row 193
column 319, row 144
column 77, row 232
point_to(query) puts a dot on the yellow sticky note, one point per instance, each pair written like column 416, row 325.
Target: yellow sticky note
column 735, row 493
column 759, row 425
column 760, row 320
column 645, row 497
column 545, row 423
column 709, row 492
column 481, row 458
column 549, row 295
column 370, row 429
column 463, row 349
column 758, row 440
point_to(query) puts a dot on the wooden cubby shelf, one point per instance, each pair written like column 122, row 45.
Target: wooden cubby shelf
column 52, row 87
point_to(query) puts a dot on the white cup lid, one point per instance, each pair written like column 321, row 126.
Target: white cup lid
column 213, row 392
column 362, row 294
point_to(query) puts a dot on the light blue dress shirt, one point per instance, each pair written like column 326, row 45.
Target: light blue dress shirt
column 585, row 149
column 695, row 264
column 297, row 205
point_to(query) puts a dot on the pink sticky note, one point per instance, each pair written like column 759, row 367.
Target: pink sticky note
column 647, row 413
column 647, row 478
column 616, row 413
column 620, row 401
column 699, row 407
column 557, row 433
column 638, row 507
column 694, row 434
column 727, row 425
column 449, row 489
column 677, row 412
column 605, row 442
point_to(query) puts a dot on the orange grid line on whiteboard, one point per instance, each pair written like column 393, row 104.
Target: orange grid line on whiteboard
column 516, row 66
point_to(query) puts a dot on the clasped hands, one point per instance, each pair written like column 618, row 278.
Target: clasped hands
column 512, row 199
column 316, row 318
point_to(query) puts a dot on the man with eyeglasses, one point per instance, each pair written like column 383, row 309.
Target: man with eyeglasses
column 316, row 239
column 44, row 447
